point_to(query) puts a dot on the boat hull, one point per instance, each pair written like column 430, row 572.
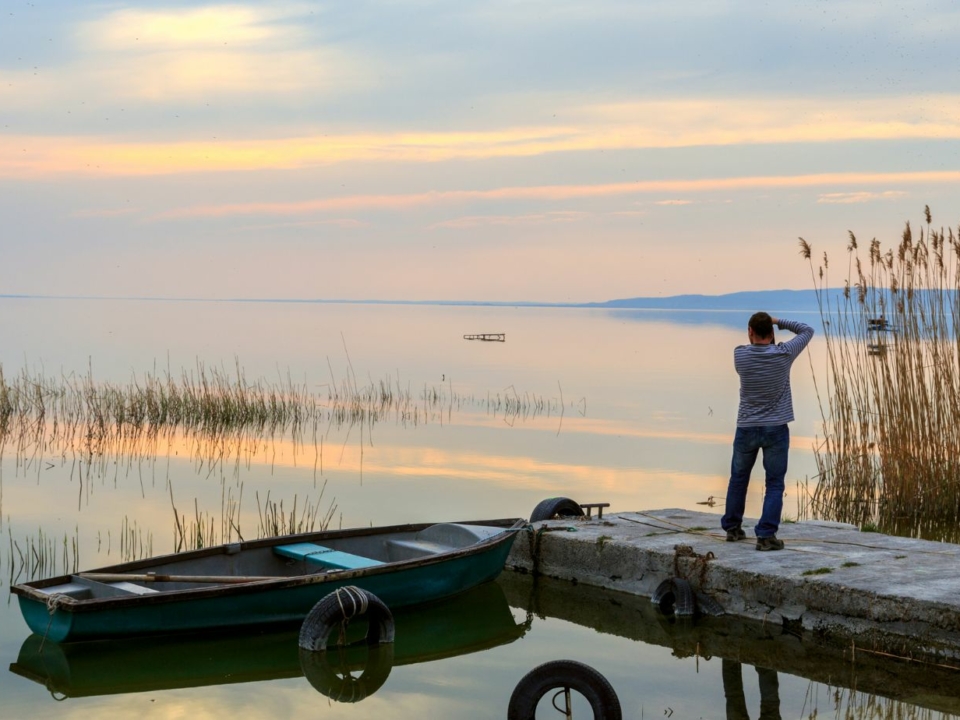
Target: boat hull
column 286, row 599
column 473, row 621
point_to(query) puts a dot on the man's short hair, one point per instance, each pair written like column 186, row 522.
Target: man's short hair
column 762, row 325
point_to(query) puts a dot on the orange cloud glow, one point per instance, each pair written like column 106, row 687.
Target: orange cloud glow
column 667, row 124
column 561, row 192
column 536, row 219
column 847, row 198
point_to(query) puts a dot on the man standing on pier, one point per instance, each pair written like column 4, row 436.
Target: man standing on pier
column 766, row 406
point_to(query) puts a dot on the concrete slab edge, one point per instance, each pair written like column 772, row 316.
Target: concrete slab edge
column 832, row 611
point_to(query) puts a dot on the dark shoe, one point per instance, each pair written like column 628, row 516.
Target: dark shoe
column 735, row 534
column 769, row 543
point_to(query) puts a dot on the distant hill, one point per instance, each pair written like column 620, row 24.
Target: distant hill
column 771, row 300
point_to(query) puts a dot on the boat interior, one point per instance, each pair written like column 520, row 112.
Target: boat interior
column 236, row 564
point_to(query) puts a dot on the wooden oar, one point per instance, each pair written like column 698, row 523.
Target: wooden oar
column 155, row 577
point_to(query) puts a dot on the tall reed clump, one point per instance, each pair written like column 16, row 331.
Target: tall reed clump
column 40, row 414
column 890, row 452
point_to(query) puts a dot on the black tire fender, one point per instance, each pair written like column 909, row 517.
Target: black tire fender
column 564, row 507
column 707, row 605
column 337, row 609
column 331, row 674
column 560, row 674
column 676, row 594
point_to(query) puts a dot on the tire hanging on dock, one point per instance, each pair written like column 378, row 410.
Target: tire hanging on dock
column 562, row 675
column 675, row 596
column 564, row 507
column 337, row 609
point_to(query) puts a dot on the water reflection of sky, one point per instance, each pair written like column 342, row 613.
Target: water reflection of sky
column 647, row 405
column 635, row 411
column 657, row 667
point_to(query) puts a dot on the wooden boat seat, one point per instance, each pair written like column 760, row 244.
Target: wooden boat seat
column 132, row 588
column 324, row 556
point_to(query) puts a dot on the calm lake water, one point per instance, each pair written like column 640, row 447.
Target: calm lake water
column 632, row 408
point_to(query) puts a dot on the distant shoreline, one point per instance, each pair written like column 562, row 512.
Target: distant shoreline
column 796, row 300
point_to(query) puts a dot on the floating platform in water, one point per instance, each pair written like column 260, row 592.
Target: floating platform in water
column 487, row 337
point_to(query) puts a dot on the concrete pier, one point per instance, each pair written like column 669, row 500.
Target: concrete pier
column 854, row 589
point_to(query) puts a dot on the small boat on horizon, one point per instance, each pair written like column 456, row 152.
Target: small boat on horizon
column 272, row 580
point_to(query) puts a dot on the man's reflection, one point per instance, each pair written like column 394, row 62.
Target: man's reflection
column 733, row 691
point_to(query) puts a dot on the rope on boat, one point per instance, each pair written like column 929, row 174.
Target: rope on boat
column 54, row 602
column 358, row 599
column 336, row 609
column 358, row 602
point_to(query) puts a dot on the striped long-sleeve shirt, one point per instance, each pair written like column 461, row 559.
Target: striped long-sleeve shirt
column 764, row 371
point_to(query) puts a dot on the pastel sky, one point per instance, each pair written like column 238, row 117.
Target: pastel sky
column 553, row 150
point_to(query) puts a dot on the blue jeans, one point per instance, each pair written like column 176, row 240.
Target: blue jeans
column 775, row 442
column 737, row 703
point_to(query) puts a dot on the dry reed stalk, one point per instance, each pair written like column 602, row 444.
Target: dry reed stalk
column 890, row 452
column 220, row 412
column 274, row 521
column 42, row 556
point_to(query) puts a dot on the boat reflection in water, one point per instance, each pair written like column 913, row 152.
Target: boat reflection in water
column 476, row 620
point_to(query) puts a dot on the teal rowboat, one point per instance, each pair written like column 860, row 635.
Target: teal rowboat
column 273, row 580
column 473, row 621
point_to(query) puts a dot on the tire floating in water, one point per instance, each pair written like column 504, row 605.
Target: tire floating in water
column 564, row 675
column 564, row 507
column 337, row 609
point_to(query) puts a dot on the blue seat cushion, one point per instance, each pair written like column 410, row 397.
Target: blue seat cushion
column 325, row 557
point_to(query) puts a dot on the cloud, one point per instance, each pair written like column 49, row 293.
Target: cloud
column 681, row 122
column 407, row 201
column 470, row 221
column 105, row 212
column 846, row 198
column 207, row 27
column 673, row 202
column 208, row 74
column 188, row 55
column 343, row 223
column 43, row 156
column 291, row 71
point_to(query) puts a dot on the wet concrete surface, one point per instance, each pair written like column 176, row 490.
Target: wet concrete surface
column 862, row 591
